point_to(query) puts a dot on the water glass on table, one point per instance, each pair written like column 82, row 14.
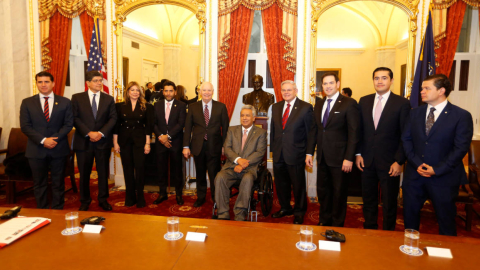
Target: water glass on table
column 306, row 237
column 411, row 240
column 72, row 224
column 173, row 228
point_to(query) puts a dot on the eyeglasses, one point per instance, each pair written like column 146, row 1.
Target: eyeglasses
column 97, row 81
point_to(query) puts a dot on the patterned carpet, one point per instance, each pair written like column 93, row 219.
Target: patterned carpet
column 170, row 208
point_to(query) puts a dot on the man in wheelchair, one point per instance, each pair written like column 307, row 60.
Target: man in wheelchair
column 245, row 148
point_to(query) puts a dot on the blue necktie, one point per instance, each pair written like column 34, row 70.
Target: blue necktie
column 94, row 107
column 327, row 113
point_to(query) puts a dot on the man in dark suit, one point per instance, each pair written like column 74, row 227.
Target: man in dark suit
column 95, row 117
column 46, row 119
column 206, row 129
column 289, row 127
column 148, row 91
column 380, row 153
column 437, row 136
column 158, row 93
column 245, row 148
column 169, row 122
column 335, row 133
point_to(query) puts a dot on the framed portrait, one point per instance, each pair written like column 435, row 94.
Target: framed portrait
column 319, row 74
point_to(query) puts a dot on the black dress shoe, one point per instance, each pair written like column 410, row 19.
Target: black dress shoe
column 298, row 220
column 160, row 199
column 199, row 202
column 105, row 206
column 84, row 207
column 179, row 199
column 282, row 213
column 141, row 204
column 128, row 204
column 324, row 224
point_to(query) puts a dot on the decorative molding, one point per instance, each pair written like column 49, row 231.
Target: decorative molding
column 402, row 44
column 385, row 48
column 172, row 46
column 195, row 48
column 340, row 51
column 130, row 33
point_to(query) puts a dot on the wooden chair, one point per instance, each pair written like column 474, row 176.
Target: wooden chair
column 470, row 194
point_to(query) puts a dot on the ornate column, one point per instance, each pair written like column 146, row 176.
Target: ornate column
column 171, row 62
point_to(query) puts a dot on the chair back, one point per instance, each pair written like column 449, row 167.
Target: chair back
column 474, row 168
column 17, row 142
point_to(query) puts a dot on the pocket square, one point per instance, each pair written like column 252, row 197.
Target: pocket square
column 337, row 112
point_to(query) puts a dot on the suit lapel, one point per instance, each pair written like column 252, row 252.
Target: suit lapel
column 441, row 118
column 162, row 112
column 173, row 109
column 56, row 99
column 36, row 101
column 102, row 103
column 386, row 110
column 335, row 107
column 368, row 111
column 86, row 99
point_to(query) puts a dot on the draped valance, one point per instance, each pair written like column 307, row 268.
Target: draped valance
column 228, row 6
column 70, row 8
column 444, row 4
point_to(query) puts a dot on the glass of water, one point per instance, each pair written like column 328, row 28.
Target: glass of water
column 306, row 237
column 412, row 237
column 172, row 227
column 72, row 224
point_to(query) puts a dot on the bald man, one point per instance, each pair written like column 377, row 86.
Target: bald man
column 206, row 129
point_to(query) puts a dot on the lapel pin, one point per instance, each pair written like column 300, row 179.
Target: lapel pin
column 339, row 101
column 56, row 103
column 445, row 112
column 295, row 108
column 124, row 115
column 175, row 105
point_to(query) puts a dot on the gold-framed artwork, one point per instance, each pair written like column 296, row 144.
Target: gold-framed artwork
column 318, row 75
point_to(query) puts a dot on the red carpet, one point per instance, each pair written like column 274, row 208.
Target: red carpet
column 170, row 208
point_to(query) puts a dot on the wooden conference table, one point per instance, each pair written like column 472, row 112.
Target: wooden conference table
column 136, row 242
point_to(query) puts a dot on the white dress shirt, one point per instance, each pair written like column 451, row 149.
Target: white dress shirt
column 334, row 99
column 51, row 98
column 291, row 106
column 248, row 132
column 438, row 110
column 384, row 101
column 97, row 100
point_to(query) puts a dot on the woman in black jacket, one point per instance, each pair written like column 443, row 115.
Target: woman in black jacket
column 132, row 140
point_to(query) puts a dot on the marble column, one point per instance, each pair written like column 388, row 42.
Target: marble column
column 171, row 62
column 15, row 78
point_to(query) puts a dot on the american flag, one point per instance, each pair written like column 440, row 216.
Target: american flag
column 95, row 59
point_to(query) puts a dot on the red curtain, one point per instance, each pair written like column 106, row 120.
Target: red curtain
column 60, row 33
column 448, row 45
column 230, row 77
column 87, row 24
column 272, row 19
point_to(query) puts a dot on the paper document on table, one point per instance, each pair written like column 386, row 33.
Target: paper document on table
column 19, row 227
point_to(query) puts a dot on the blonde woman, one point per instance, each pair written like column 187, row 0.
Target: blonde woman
column 132, row 140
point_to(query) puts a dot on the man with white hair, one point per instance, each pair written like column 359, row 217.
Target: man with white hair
column 206, row 128
column 245, row 148
column 291, row 120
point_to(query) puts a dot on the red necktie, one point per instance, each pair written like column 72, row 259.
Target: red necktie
column 46, row 110
column 285, row 116
column 206, row 114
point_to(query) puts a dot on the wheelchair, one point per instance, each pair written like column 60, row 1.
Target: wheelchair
column 262, row 188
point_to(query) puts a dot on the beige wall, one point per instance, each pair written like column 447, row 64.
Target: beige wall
column 137, row 56
column 189, row 58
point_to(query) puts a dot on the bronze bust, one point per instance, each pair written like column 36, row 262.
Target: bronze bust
column 259, row 99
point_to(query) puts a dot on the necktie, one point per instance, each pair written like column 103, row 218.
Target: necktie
column 46, row 110
column 378, row 112
column 244, row 138
column 167, row 112
column 430, row 121
column 206, row 114
column 94, row 107
column 285, row 116
column 327, row 113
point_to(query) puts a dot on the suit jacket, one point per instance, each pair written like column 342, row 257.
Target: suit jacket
column 136, row 124
column 292, row 140
column 36, row 128
column 384, row 145
column 338, row 140
column 195, row 128
column 193, row 100
column 254, row 149
column 84, row 121
column 444, row 147
column 156, row 96
column 148, row 94
column 176, row 122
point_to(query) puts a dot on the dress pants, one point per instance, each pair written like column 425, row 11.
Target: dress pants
column 443, row 198
column 288, row 177
column 85, row 160
column 371, row 177
column 40, row 167
column 223, row 182
column 332, row 191
column 133, row 163
column 204, row 162
column 174, row 154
